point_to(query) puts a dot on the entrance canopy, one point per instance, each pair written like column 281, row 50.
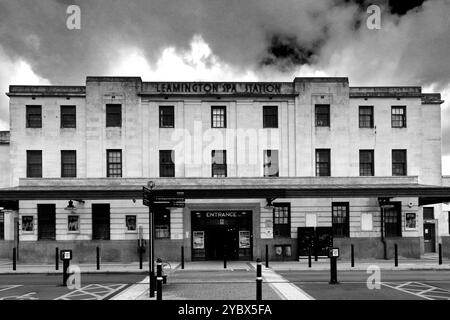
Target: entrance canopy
column 227, row 188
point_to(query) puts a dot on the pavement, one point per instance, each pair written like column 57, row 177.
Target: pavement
column 6, row 267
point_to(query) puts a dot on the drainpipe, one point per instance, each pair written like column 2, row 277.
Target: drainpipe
column 383, row 240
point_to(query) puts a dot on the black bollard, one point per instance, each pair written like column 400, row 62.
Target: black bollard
column 267, row 255
column 353, row 255
column 333, row 270
column 224, row 257
column 140, row 257
column 440, row 253
column 14, row 259
column 65, row 271
column 309, row 257
column 56, row 258
column 159, row 279
column 98, row 258
column 396, row 254
column 182, row 257
column 316, row 258
column 258, row 280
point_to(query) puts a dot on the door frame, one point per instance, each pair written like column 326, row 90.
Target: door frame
column 435, row 223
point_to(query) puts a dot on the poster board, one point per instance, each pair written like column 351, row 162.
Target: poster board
column 244, row 239
column 198, row 239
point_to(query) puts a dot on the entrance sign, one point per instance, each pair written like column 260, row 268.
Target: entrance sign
column 198, row 239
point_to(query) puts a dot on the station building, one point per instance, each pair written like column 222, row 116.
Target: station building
column 294, row 166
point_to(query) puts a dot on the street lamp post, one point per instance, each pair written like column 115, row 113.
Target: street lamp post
column 151, row 237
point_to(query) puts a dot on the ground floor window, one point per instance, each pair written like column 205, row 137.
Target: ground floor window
column 162, row 223
column 2, row 226
column 46, row 221
column 281, row 219
column 393, row 220
column 100, row 221
column 340, row 219
column 27, row 223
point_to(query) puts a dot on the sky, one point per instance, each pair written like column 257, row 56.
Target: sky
column 228, row 40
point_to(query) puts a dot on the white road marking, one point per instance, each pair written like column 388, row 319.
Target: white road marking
column 92, row 292
column 10, row 287
column 283, row 287
column 426, row 291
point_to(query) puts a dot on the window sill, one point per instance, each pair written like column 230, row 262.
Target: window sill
column 73, row 232
column 131, row 231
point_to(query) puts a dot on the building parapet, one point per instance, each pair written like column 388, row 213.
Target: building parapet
column 71, row 91
column 432, row 98
column 385, row 92
column 261, row 182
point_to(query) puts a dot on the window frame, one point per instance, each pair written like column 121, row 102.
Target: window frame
column 78, row 223
column 223, row 117
column 163, row 117
column 372, row 164
column 270, row 118
column 405, row 164
column 281, row 230
column 219, row 166
column 343, row 227
column 363, row 122
column 329, row 163
column 62, row 114
column 63, row 164
column 29, row 164
column 391, row 231
column 164, row 165
column 320, row 115
column 403, row 120
column 135, row 223
column 111, row 121
column 108, row 163
column 28, row 115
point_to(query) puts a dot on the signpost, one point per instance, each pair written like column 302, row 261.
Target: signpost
column 66, row 256
column 333, row 254
column 149, row 199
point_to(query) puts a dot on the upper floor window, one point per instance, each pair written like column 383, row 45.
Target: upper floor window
column 322, row 115
column 34, row 116
column 282, row 219
column 166, row 117
column 34, row 163
column 219, row 163
column 271, row 163
column 113, row 115
column 323, row 162
column 340, row 219
column 366, row 116
column 218, row 117
column 399, row 163
column 270, row 117
column 68, row 163
column 398, row 116
column 366, row 163
column 114, row 163
column 166, row 163
column 68, row 117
